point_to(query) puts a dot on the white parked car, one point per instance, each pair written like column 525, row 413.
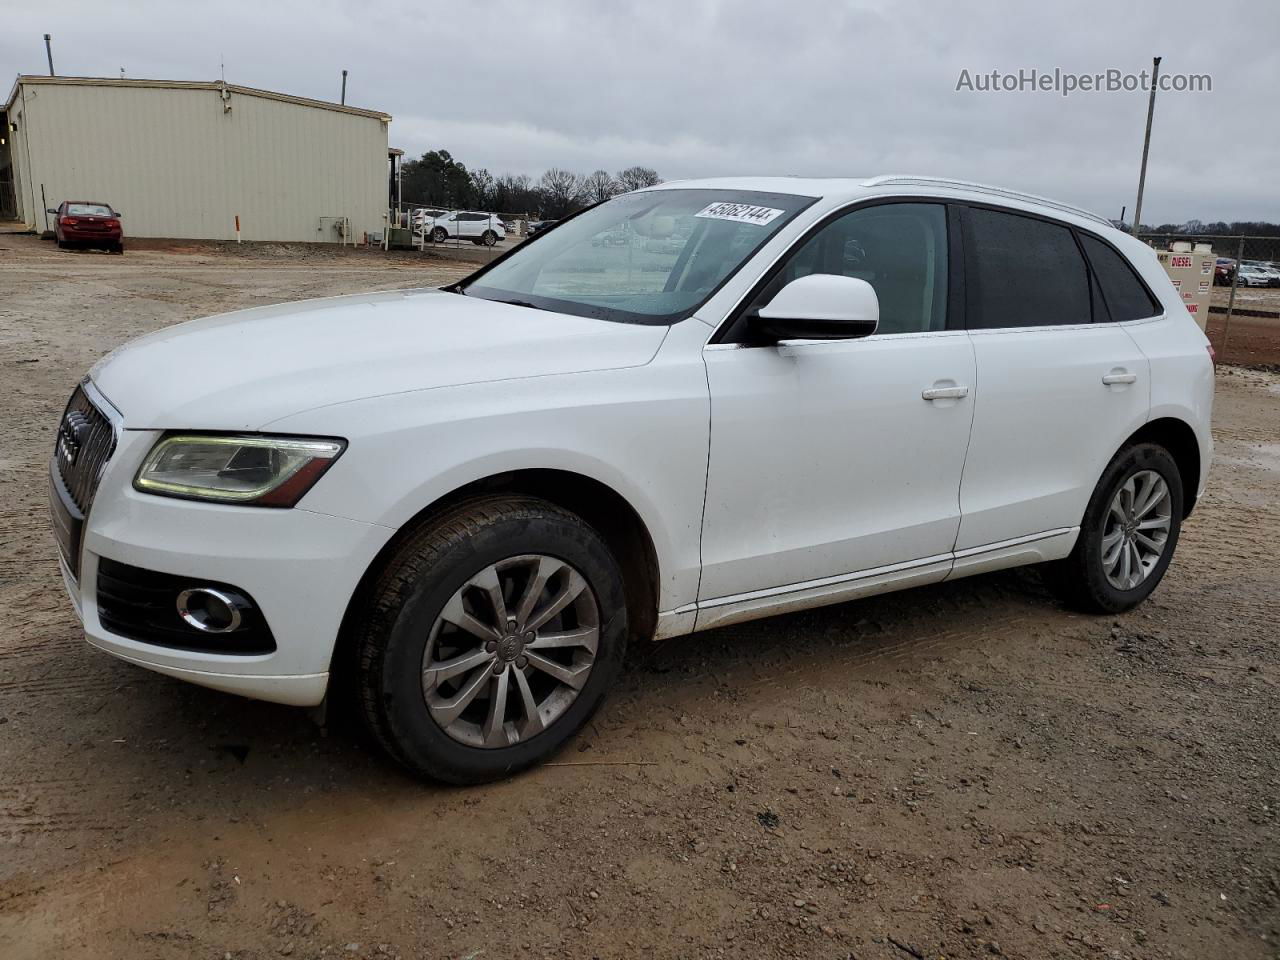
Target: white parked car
column 466, row 502
column 480, row 228
column 1254, row 276
column 423, row 214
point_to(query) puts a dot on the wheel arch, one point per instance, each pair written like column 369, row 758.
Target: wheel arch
column 606, row 510
column 1178, row 437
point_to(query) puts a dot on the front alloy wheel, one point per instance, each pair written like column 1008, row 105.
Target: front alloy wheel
column 488, row 638
column 510, row 651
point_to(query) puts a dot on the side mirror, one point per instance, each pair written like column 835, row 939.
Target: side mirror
column 51, row 210
column 820, row 306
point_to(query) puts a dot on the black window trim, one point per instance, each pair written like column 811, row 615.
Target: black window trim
column 729, row 333
column 1076, row 232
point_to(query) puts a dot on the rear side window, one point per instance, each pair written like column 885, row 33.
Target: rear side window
column 1023, row 272
column 1127, row 298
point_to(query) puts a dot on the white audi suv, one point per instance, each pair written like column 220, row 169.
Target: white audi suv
column 465, row 502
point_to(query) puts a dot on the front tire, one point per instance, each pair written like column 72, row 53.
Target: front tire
column 439, row 235
column 1128, row 535
column 489, row 638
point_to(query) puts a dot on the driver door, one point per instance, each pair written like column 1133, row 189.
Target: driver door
column 835, row 462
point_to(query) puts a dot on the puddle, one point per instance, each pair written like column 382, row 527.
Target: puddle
column 1262, row 455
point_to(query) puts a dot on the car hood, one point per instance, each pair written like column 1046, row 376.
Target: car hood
column 243, row 370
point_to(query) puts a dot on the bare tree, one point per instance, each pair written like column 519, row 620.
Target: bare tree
column 515, row 193
column 483, row 183
column 600, row 186
column 637, row 178
column 561, row 191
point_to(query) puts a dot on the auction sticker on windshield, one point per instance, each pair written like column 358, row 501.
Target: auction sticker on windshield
column 739, row 212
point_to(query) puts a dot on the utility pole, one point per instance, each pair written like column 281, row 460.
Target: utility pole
column 1146, row 146
column 343, row 101
column 48, row 52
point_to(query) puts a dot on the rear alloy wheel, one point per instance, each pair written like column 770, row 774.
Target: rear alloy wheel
column 489, row 238
column 1136, row 529
column 1128, row 534
column 489, row 639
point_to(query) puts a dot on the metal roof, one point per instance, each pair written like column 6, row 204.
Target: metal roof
column 215, row 85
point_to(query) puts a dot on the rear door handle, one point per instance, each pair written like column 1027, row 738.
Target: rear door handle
column 1119, row 375
column 945, row 393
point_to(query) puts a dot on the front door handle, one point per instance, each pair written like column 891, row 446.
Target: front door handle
column 1119, row 375
column 945, row 393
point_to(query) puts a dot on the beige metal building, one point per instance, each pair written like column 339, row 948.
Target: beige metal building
column 185, row 160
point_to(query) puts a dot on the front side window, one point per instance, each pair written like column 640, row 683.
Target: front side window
column 898, row 248
column 1126, row 297
column 648, row 257
column 1023, row 272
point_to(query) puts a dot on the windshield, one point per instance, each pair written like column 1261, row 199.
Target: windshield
column 649, row 257
column 88, row 210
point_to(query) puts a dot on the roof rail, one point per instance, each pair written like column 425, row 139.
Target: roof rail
column 920, row 181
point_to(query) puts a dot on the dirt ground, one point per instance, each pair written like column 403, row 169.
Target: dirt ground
column 965, row 770
column 1251, row 341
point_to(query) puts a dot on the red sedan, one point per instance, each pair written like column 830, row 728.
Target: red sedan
column 81, row 223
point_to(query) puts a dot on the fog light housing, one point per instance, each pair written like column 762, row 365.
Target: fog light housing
column 211, row 610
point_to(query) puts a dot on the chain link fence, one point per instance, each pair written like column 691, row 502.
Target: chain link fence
column 1244, row 309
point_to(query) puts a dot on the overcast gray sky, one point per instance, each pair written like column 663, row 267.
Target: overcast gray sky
column 713, row 87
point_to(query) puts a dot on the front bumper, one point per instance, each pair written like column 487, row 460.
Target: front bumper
column 300, row 567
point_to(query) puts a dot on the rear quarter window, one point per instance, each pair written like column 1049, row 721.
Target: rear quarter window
column 1126, row 297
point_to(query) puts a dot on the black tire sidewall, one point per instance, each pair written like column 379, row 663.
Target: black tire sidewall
column 423, row 745
column 1100, row 592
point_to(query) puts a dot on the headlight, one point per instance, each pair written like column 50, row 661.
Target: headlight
column 256, row 471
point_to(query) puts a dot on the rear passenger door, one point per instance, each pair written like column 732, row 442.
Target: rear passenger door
column 1060, row 386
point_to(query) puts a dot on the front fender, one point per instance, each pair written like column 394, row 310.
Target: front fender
column 643, row 432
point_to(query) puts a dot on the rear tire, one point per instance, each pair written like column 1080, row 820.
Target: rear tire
column 432, row 604
column 489, row 239
column 1128, row 535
